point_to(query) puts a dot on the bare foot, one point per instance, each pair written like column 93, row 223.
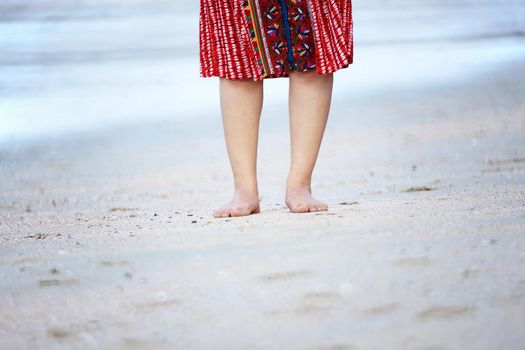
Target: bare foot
column 299, row 199
column 243, row 203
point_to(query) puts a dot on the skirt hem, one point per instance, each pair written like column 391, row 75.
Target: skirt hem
column 285, row 74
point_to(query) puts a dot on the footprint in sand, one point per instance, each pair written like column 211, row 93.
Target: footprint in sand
column 306, row 309
column 60, row 333
column 143, row 344
column 381, row 309
column 494, row 162
column 314, row 303
column 284, row 276
column 445, row 312
column 57, row 282
column 418, row 189
column 311, row 309
column 322, row 296
column 157, row 304
column 112, row 210
column 108, row 263
column 43, row 235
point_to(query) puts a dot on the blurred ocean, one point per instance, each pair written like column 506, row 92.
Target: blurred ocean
column 84, row 65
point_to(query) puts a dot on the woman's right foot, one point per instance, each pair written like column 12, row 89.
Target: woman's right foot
column 243, row 203
column 299, row 199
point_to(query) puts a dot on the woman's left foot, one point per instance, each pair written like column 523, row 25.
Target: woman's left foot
column 299, row 199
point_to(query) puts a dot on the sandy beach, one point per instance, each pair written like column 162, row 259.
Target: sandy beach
column 107, row 238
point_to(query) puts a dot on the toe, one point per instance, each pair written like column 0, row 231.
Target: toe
column 318, row 207
column 221, row 213
column 321, row 207
column 240, row 211
column 300, row 208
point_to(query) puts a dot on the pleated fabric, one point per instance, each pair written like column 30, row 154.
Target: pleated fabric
column 257, row 39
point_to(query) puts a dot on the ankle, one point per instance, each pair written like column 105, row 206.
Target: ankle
column 293, row 184
column 246, row 190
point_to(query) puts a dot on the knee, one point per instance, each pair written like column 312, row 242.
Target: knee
column 310, row 77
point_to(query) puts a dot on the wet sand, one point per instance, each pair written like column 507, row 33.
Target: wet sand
column 107, row 238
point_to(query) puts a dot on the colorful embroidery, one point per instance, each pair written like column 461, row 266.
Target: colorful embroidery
column 283, row 27
column 256, row 37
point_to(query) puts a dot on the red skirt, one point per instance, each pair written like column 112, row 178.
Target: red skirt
column 256, row 39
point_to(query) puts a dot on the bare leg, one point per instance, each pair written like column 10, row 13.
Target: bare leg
column 241, row 105
column 310, row 97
